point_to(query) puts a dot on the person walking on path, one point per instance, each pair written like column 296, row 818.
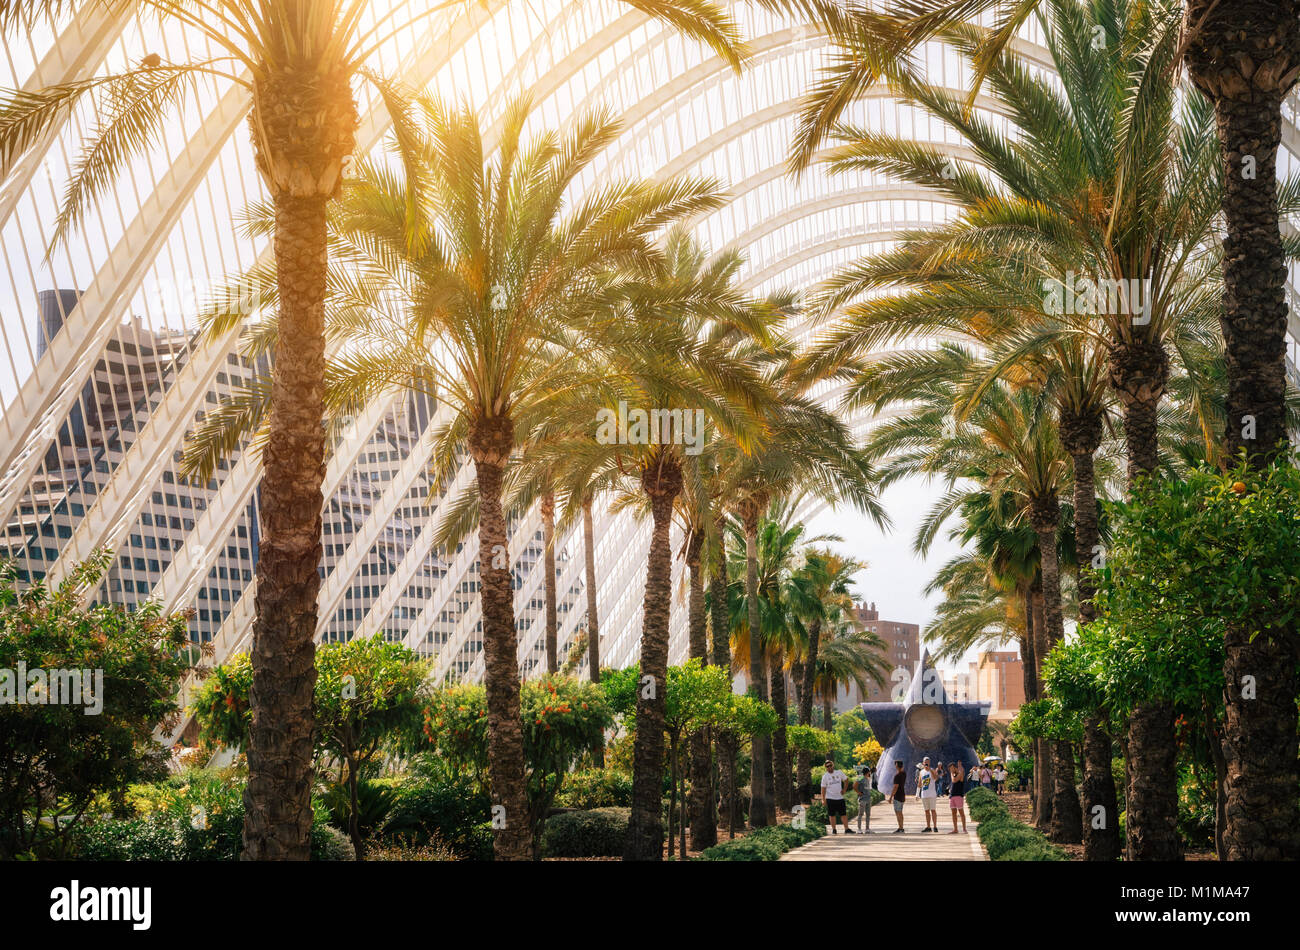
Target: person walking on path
column 898, row 796
column 833, row 782
column 957, row 796
column 865, row 781
column 986, row 777
column 927, row 789
column 999, row 778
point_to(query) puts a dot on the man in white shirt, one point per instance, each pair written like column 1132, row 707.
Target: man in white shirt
column 833, row 783
column 927, row 789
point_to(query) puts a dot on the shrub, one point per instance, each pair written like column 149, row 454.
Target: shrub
column 1003, row 838
column 330, row 844
column 764, row 844
column 595, row 788
column 597, row 833
column 452, row 811
column 95, row 682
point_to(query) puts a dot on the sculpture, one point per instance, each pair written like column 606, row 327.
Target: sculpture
column 925, row 723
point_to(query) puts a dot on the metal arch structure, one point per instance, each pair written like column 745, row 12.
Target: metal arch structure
column 679, row 108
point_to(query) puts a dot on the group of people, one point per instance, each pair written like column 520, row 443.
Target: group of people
column 931, row 782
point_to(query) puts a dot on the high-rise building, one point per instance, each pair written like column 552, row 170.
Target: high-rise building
column 1001, row 681
column 902, row 652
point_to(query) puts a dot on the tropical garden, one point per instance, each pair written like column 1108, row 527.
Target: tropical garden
column 1086, row 359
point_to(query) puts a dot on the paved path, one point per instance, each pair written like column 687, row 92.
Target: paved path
column 883, row 845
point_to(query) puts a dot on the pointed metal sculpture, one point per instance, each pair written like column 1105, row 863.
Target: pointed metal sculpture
column 925, row 723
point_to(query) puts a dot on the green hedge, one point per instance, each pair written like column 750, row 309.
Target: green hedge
column 595, row 833
column 595, row 788
column 159, row 837
column 450, row 811
column 1004, row 838
column 764, row 844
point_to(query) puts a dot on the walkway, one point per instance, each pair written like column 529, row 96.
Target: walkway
column 883, row 845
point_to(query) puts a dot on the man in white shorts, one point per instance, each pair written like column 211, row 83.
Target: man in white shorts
column 927, row 789
column 834, row 783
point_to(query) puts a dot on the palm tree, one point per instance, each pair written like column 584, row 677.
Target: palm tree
column 298, row 60
column 1245, row 61
column 467, row 282
column 810, row 449
column 821, row 595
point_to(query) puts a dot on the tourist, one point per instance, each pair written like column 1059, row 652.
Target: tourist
column 956, row 796
column 866, row 779
column 941, row 778
column 999, row 778
column 897, row 796
column 986, row 777
column 927, row 789
column 833, row 782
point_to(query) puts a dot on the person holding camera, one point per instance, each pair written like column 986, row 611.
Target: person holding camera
column 866, row 782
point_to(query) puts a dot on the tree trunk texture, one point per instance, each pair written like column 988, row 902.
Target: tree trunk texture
column 1099, row 843
column 1043, row 777
column 804, row 771
column 1067, row 818
column 1139, row 370
column 1259, row 747
column 1245, row 58
column 782, row 789
column 277, row 799
column 593, row 626
column 548, row 565
column 703, row 811
column 1081, row 435
column 1152, row 812
column 661, row 480
column 491, row 442
column 762, row 810
column 720, row 629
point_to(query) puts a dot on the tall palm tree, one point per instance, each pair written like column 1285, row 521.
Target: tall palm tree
column 810, row 449
column 475, row 281
column 1245, row 60
column 298, row 61
column 821, row 595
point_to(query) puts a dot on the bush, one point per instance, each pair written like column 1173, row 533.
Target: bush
column 1004, row 838
column 596, row 833
column 330, row 844
column 595, row 788
column 452, row 811
column 763, row 844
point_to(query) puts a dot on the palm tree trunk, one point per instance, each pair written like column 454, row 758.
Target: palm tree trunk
column 491, row 442
column 761, row 804
column 704, row 818
column 1139, row 370
column 548, row 565
column 277, row 799
column 782, row 790
column 1259, row 747
column 1067, row 819
column 1245, row 57
column 1081, row 435
column 1043, row 778
column 661, row 480
column 803, row 771
column 721, row 632
column 593, row 626
column 828, row 712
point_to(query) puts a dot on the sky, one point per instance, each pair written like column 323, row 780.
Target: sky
column 896, row 575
